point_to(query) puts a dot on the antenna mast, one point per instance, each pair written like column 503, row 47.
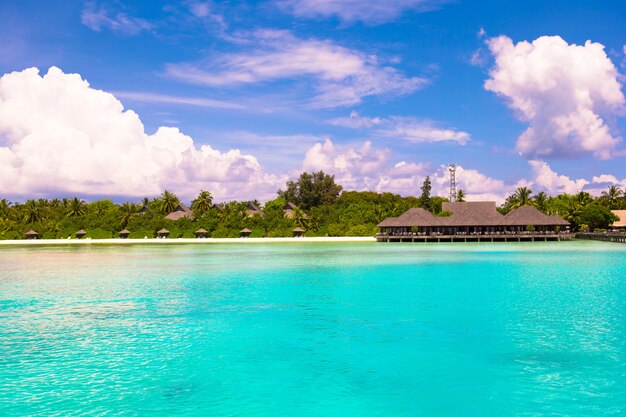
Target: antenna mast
column 452, row 169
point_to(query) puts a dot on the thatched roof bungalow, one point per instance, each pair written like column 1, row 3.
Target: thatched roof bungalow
column 201, row 233
column 298, row 232
column 31, row 234
column 179, row 212
column 470, row 218
column 80, row 234
column 289, row 209
column 123, row 234
column 254, row 210
column 245, row 232
column 163, row 233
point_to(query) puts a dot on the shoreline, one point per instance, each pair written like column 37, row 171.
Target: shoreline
column 59, row 242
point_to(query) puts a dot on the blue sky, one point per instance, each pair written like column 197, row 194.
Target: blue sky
column 379, row 94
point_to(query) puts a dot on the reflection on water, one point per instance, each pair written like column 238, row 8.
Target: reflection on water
column 314, row 329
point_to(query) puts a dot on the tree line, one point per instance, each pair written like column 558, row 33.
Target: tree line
column 323, row 208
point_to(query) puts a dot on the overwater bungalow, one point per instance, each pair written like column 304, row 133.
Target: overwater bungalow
column 619, row 225
column 201, row 233
column 473, row 221
column 80, row 234
column 298, row 232
column 123, row 234
column 245, row 232
column 163, row 233
column 31, row 234
column 179, row 212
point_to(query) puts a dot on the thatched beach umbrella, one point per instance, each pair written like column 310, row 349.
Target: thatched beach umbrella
column 163, row 233
column 245, row 232
column 80, row 234
column 298, row 232
column 123, row 234
column 31, row 234
column 201, row 233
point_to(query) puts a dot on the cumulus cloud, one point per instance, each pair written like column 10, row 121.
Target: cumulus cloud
column 548, row 180
column 409, row 129
column 476, row 185
column 98, row 17
column 365, row 167
column 342, row 76
column 566, row 93
column 349, row 11
column 60, row 136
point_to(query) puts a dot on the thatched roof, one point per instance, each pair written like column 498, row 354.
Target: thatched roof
column 622, row 218
column 124, row 232
column 163, row 232
column 527, row 215
column 289, row 206
column 481, row 213
column 81, row 232
column 414, row 217
column 245, row 230
column 475, row 213
column 388, row 222
column 31, row 232
column 179, row 212
column 201, row 231
column 253, row 210
column 298, row 230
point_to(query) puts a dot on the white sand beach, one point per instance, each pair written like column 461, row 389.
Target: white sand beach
column 192, row 241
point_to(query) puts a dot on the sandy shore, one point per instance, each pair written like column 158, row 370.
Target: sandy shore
column 174, row 241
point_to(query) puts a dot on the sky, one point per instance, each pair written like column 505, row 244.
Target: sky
column 123, row 99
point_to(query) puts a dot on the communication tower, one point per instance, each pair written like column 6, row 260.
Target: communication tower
column 452, row 169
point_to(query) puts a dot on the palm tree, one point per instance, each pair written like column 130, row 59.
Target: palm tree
column 612, row 196
column 521, row 197
column 203, row 202
column 168, row 202
column 32, row 211
column 540, row 201
column 4, row 208
column 75, row 207
column 300, row 218
column 460, row 196
column 127, row 210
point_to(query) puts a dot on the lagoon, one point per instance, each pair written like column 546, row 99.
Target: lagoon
column 313, row 329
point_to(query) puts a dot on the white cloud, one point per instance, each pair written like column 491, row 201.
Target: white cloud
column 548, row 180
column 60, row 136
column 566, row 93
column 405, row 128
column 97, row 18
column 191, row 101
column 365, row 167
column 343, row 76
column 476, row 185
column 355, row 121
column 204, row 10
column 349, row 11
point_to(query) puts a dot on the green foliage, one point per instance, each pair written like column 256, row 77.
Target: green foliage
column 351, row 213
column 312, row 190
column 597, row 216
column 424, row 201
column 444, row 213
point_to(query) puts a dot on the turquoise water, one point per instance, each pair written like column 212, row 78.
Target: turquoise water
column 314, row 330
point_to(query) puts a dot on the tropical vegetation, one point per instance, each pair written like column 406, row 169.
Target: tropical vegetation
column 323, row 208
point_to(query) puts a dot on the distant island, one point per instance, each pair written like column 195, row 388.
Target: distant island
column 312, row 205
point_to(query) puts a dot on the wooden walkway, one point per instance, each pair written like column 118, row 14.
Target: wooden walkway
column 526, row 237
column 606, row 237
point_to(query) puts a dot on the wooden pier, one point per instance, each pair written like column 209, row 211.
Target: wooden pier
column 514, row 237
column 606, row 237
